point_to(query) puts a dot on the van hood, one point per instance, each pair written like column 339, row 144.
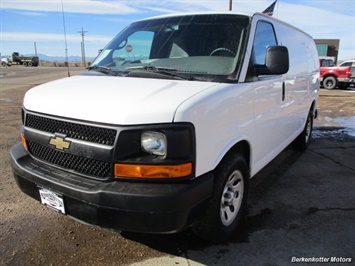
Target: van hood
column 113, row 100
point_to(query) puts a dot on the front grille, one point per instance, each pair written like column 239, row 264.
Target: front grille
column 86, row 166
column 99, row 135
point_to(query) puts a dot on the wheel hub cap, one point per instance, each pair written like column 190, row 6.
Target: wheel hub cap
column 232, row 197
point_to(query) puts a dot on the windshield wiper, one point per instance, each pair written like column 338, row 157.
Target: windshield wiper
column 162, row 70
column 102, row 69
column 151, row 68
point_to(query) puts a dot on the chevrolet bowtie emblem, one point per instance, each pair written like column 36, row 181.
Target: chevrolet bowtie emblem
column 59, row 143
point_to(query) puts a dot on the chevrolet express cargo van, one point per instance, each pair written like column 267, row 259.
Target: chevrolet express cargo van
column 166, row 127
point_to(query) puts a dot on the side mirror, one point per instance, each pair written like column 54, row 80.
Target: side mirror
column 276, row 61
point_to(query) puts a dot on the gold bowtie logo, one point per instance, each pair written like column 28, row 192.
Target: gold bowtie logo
column 59, row 143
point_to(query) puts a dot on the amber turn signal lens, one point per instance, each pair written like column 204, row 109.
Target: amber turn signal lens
column 153, row 171
column 23, row 140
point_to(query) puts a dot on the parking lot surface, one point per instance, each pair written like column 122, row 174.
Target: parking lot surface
column 301, row 207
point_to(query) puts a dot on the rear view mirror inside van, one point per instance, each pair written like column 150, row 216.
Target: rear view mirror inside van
column 276, row 61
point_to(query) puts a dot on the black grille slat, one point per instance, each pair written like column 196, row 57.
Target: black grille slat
column 83, row 165
column 99, row 135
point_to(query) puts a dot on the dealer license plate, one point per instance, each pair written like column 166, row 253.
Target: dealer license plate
column 52, row 200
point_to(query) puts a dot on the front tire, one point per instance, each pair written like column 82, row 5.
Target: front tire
column 227, row 202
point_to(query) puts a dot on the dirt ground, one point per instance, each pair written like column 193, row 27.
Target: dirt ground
column 275, row 230
column 334, row 104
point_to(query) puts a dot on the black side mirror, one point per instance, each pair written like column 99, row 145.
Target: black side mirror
column 276, row 61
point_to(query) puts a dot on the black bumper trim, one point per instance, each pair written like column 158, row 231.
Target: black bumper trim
column 127, row 206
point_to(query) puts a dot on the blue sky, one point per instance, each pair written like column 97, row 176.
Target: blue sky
column 25, row 22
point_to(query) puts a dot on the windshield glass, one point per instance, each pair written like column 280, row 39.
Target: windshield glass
column 193, row 44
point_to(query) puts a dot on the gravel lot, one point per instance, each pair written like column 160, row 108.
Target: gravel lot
column 301, row 206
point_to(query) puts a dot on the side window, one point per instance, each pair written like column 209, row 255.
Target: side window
column 264, row 37
column 346, row 64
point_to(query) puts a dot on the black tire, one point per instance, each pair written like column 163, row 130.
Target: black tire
column 228, row 200
column 343, row 85
column 330, row 83
column 302, row 142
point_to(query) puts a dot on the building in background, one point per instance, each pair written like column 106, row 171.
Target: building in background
column 328, row 49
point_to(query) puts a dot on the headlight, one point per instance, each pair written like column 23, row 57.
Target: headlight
column 154, row 143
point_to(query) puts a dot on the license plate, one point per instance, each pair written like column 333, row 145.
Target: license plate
column 52, row 200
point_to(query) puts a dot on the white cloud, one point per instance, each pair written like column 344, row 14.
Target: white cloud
column 76, row 6
column 323, row 23
column 50, row 37
column 133, row 6
column 29, row 13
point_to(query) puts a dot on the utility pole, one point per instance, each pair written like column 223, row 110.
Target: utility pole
column 230, row 5
column 82, row 33
column 65, row 40
column 35, row 48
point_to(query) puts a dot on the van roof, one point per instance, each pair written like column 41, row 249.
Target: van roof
column 199, row 13
column 248, row 14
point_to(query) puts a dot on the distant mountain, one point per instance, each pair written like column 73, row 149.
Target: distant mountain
column 71, row 58
column 57, row 58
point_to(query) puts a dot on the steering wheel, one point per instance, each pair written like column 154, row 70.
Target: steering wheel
column 222, row 49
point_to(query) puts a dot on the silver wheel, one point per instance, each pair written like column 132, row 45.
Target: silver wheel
column 227, row 202
column 232, row 198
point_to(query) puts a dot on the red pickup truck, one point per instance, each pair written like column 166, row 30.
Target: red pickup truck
column 340, row 76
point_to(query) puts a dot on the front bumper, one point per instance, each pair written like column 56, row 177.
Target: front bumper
column 122, row 205
column 350, row 80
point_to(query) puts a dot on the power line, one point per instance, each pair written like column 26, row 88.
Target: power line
column 65, row 38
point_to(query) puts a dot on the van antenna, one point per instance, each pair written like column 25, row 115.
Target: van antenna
column 65, row 39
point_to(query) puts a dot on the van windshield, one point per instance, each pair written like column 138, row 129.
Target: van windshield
column 195, row 45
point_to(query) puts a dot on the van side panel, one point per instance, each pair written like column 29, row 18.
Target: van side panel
column 302, row 79
column 273, row 111
column 261, row 112
column 301, row 85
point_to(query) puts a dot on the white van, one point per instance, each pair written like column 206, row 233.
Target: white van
column 166, row 127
